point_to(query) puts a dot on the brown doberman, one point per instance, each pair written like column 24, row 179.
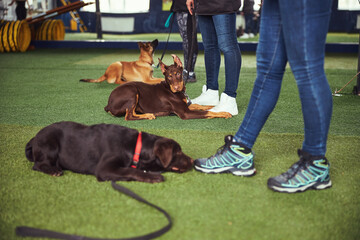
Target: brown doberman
column 137, row 100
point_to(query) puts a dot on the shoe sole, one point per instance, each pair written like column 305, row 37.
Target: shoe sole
column 315, row 186
column 232, row 170
column 205, row 103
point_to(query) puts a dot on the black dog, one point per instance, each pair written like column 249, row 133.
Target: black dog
column 110, row 152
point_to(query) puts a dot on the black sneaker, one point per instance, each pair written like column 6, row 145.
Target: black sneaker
column 191, row 77
column 310, row 172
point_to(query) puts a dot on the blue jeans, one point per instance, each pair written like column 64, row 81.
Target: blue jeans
column 219, row 34
column 293, row 31
column 249, row 23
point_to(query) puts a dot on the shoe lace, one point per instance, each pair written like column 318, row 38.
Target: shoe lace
column 228, row 141
column 296, row 167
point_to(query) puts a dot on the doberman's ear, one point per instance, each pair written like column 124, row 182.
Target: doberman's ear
column 163, row 150
column 177, row 60
column 154, row 43
column 163, row 67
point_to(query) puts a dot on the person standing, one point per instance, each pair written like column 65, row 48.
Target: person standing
column 294, row 32
column 185, row 25
column 20, row 8
column 248, row 12
column 217, row 19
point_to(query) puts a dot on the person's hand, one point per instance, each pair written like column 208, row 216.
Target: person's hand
column 12, row 2
column 190, row 6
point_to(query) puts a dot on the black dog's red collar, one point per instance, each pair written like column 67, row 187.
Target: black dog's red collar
column 137, row 151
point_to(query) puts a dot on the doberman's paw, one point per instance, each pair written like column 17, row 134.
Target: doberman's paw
column 149, row 116
column 218, row 115
column 227, row 115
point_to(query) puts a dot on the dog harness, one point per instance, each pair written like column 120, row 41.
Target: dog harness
column 138, row 147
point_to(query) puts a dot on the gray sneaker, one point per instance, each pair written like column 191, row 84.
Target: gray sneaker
column 230, row 158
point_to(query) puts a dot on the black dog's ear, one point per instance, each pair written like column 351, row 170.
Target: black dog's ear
column 177, row 60
column 163, row 67
column 163, row 149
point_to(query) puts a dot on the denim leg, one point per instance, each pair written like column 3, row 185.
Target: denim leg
column 249, row 23
column 271, row 61
column 227, row 41
column 305, row 25
column 211, row 51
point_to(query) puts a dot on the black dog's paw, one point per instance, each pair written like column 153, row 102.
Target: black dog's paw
column 153, row 178
column 51, row 170
column 57, row 174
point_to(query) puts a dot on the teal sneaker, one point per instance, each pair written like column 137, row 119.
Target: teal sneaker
column 230, row 158
column 310, row 172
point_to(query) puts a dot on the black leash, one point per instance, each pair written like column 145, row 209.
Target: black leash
column 35, row 232
column 172, row 16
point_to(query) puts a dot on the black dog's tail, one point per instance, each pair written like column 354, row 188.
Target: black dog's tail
column 28, row 150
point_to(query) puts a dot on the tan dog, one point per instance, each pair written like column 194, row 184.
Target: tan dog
column 137, row 71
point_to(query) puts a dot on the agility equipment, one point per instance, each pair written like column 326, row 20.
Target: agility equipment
column 50, row 29
column 75, row 16
column 57, row 11
column 355, row 90
column 15, row 36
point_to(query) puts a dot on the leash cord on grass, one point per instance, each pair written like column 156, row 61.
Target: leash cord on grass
column 35, row 232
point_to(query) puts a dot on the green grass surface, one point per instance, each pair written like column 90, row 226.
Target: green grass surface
column 331, row 37
column 40, row 87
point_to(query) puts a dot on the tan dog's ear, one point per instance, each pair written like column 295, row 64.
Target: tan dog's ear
column 163, row 67
column 177, row 60
column 163, row 149
column 140, row 44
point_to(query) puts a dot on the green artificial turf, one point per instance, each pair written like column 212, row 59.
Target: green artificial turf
column 174, row 36
column 40, row 87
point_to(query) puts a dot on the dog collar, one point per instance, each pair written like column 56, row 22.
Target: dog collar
column 138, row 147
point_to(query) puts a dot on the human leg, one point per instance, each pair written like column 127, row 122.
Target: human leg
column 227, row 41
column 305, row 38
column 271, row 61
column 211, row 51
column 191, row 30
column 249, row 19
column 181, row 19
column 210, row 94
column 305, row 25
